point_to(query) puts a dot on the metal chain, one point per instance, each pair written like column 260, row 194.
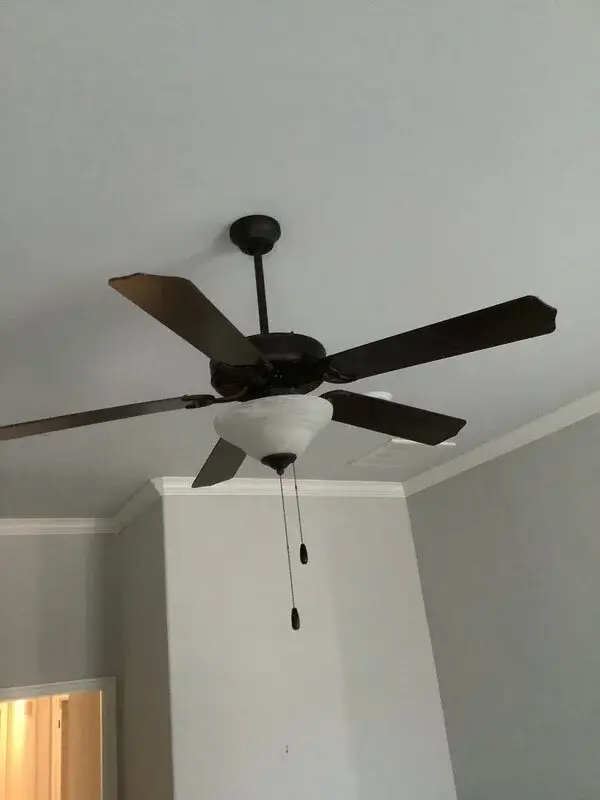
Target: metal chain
column 298, row 504
column 287, row 542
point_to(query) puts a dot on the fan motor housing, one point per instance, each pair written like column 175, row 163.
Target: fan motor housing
column 296, row 367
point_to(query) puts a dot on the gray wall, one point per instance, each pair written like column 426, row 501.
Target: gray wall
column 56, row 608
column 509, row 558
column 348, row 707
column 145, row 763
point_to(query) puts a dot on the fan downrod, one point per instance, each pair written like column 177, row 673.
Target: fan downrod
column 255, row 235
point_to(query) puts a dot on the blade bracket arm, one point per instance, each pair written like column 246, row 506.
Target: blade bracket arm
column 203, row 400
column 198, row 400
column 333, row 375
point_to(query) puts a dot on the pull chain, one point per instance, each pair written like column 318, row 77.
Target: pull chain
column 303, row 550
column 295, row 615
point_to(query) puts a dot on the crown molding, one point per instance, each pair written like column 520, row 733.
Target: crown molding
column 543, row 426
column 31, row 526
column 152, row 490
column 156, row 488
column 248, row 487
column 251, row 487
column 135, row 505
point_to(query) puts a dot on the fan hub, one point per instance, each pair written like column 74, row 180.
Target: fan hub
column 295, row 361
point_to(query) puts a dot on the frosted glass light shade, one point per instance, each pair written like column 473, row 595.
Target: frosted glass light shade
column 272, row 425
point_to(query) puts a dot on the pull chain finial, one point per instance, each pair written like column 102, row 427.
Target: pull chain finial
column 303, row 550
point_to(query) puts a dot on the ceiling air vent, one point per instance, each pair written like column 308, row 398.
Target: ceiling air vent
column 398, row 453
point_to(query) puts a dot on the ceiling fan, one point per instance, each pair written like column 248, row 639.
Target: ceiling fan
column 269, row 375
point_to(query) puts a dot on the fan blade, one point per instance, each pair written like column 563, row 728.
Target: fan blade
column 182, row 307
column 221, row 465
column 513, row 321
column 67, row 421
column 393, row 419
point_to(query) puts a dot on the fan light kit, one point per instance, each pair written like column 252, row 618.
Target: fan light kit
column 275, row 430
column 270, row 375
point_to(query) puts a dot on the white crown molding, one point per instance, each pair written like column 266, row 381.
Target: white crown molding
column 152, row 490
column 31, row 526
column 250, row 487
column 135, row 505
column 247, row 487
column 531, row 432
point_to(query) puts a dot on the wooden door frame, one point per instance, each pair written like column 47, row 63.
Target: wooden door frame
column 3, row 748
column 109, row 718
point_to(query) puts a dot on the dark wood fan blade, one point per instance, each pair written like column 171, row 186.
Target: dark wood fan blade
column 513, row 321
column 181, row 306
column 221, row 465
column 67, row 421
column 393, row 419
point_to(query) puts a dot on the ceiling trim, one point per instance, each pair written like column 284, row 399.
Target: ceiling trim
column 531, row 432
column 135, row 505
column 152, row 490
column 250, row 487
column 253, row 487
column 30, row 526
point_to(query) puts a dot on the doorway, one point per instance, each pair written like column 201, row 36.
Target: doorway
column 54, row 743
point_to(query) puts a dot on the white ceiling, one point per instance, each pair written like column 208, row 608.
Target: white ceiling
column 424, row 158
